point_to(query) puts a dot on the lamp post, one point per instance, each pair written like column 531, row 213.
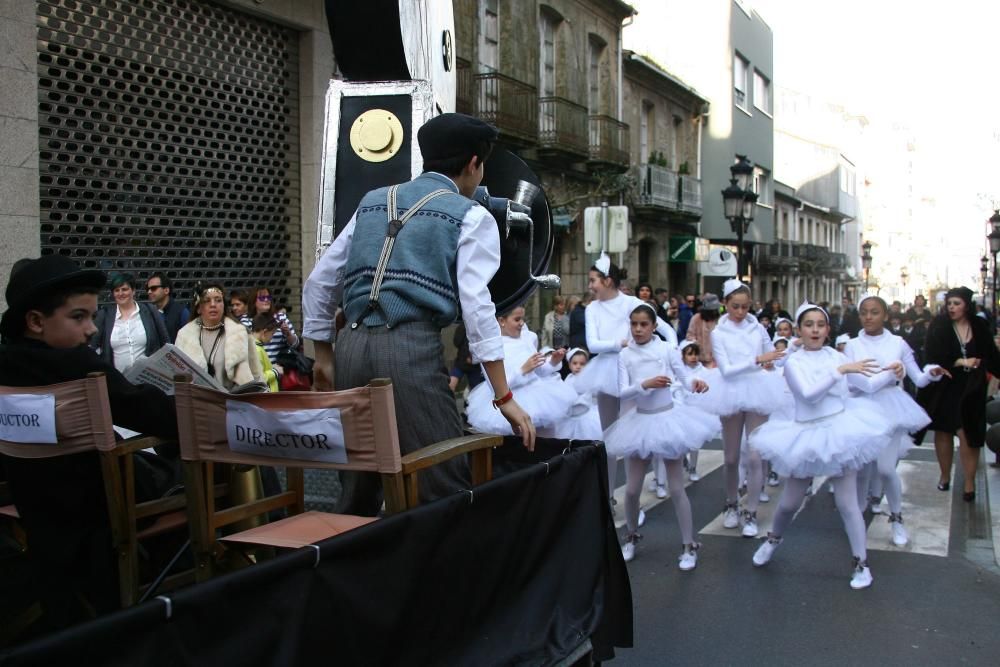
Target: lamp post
column 866, row 260
column 904, row 277
column 740, row 205
column 994, row 239
column 984, row 268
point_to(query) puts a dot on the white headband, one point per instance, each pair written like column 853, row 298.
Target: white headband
column 603, row 264
column 843, row 338
column 782, row 319
column 685, row 344
column 806, row 306
column 777, row 338
column 577, row 350
column 731, row 286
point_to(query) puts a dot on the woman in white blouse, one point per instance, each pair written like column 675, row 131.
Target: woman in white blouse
column 128, row 331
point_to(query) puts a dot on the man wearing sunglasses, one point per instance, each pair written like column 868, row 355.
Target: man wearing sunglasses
column 175, row 314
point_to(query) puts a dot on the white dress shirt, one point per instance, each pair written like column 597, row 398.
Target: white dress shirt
column 128, row 340
column 477, row 261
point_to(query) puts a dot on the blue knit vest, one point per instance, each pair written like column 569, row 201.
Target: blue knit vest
column 420, row 283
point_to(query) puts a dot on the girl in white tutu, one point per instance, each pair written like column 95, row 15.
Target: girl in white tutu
column 691, row 355
column 750, row 391
column 534, row 377
column 607, row 326
column 581, row 421
column 883, row 393
column 656, row 426
column 830, row 436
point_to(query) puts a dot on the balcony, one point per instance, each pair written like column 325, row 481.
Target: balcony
column 658, row 188
column 690, row 195
column 562, row 128
column 464, row 95
column 509, row 105
column 778, row 258
column 609, row 142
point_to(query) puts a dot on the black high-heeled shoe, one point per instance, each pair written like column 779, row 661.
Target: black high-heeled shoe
column 968, row 496
column 944, row 486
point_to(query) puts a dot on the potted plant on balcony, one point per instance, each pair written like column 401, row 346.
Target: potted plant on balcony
column 683, row 170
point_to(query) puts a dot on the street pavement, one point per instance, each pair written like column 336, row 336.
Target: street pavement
column 934, row 602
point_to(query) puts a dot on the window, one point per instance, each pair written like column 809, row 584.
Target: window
column 741, row 70
column 647, row 120
column 547, row 74
column 594, row 75
column 761, row 92
column 489, row 53
column 762, row 186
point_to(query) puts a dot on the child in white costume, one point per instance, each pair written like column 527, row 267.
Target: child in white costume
column 532, row 376
column 884, row 394
column 607, row 322
column 656, row 426
column 582, row 421
column 830, row 436
column 690, row 353
column 750, row 391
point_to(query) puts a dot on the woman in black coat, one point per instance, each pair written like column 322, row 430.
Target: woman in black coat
column 960, row 342
column 128, row 330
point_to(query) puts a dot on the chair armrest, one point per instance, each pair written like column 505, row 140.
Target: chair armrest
column 140, row 442
column 447, row 449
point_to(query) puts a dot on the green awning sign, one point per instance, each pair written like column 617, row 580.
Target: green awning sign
column 681, row 248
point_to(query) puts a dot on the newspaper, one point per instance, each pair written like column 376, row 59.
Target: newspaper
column 160, row 368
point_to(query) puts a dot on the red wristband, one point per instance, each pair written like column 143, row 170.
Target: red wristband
column 506, row 398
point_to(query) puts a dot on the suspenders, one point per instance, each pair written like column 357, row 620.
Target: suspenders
column 395, row 225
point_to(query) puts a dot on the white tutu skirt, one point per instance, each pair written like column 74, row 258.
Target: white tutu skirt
column 896, row 407
column 599, row 376
column 711, row 400
column 671, row 433
column 823, row 447
column 762, row 392
column 586, row 426
column 545, row 400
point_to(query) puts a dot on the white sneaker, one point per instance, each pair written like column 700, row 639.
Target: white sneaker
column 876, row 505
column 694, row 477
column 749, row 523
column 764, row 552
column 763, row 497
column 652, row 483
column 628, row 549
column 688, row 560
column 899, row 536
column 862, row 577
column 772, row 479
column 642, row 519
column 661, row 491
column 731, row 519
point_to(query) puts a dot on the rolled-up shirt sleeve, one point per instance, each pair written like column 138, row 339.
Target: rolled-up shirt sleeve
column 477, row 262
column 324, row 289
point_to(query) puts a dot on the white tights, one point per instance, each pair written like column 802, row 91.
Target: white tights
column 608, row 407
column 733, row 428
column 881, row 477
column 635, row 469
column 845, row 495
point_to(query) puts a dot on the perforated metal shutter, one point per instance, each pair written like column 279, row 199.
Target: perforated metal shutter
column 169, row 141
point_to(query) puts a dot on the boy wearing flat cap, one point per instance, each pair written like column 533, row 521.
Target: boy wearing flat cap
column 445, row 249
column 51, row 305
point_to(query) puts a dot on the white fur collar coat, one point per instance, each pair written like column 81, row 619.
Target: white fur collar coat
column 241, row 364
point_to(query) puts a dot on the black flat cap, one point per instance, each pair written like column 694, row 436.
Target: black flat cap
column 453, row 135
column 39, row 276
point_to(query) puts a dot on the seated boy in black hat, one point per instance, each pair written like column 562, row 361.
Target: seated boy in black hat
column 51, row 304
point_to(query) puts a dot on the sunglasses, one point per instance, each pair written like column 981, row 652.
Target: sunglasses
column 264, row 297
column 150, row 288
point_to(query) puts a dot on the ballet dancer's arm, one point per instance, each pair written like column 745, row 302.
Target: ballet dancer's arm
column 667, row 331
column 595, row 344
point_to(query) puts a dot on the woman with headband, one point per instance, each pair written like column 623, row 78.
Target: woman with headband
column 217, row 343
column 750, row 391
column 961, row 342
column 883, row 392
column 829, row 437
column 607, row 319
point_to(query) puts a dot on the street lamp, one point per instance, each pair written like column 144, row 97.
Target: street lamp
column 740, row 205
column 904, row 278
column 994, row 239
column 984, row 268
column 866, row 260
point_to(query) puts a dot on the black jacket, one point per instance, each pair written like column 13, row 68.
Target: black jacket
column 175, row 316
column 578, row 327
column 152, row 322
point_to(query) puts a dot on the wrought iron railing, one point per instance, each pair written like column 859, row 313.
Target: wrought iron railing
column 690, row 194
column 658, row 186
column 562, row 125
column 509, row 105
column 609, row 141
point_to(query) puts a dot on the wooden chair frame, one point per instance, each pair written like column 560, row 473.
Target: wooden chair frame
column 118, row 472
column 399, row 478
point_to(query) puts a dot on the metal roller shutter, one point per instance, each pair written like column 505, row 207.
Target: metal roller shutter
column 169, row 140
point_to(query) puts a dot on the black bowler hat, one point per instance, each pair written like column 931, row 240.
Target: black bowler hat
column 453, row 135
column 39, row 276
